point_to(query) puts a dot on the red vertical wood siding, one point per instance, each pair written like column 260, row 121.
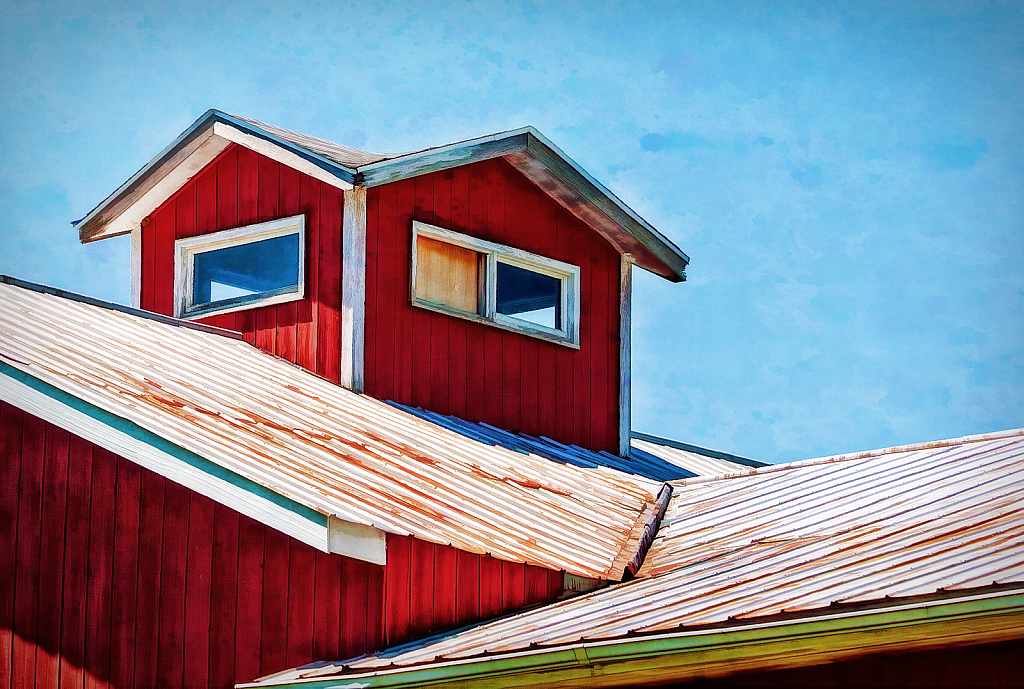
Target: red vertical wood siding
column 475, row 371
column 430, row 588
column 111, row 575
column 241, row 188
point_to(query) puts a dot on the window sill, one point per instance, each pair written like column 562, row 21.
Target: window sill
column 246, row 306
column 537, row 333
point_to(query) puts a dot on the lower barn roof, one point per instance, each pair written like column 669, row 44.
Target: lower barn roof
column 271, row 426
column 911, row 521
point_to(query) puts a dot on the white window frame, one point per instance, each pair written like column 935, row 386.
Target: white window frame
column 185, row 251
column 566, row 273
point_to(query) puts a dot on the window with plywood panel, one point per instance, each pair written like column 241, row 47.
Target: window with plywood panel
column 495, row 284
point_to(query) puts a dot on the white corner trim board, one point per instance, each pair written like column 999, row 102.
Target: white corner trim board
column 353, row 288
column 625, row 353
column 136, row 268
column 327, row 534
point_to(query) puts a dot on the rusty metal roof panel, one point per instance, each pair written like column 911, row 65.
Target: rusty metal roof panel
column 324, row 447
column 854, row 528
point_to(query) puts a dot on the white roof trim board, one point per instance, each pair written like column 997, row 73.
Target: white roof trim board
column 939, row 517
column 233, row 418
column 342, row 166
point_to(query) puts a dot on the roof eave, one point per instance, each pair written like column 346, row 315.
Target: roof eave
column 96, row 225
column 690, row 654
column 555, row 172
column 265, row 504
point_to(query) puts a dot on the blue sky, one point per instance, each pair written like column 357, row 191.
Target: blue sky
column 847, row 178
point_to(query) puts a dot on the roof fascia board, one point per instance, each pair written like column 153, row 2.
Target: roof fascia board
column 131, row 185
column 96, row 225
column 125, row 209
column 687, row 655
column 357, row 541
column 569, row 184
column 284, row 153
column 581, row 185
column 443, row 157
column 145, row 448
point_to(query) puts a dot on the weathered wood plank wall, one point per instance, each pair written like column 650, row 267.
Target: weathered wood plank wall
column 111, row 575
column 471, row 370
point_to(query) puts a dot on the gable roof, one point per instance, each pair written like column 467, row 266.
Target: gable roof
column 935, row 523
column 342, row 166
column 330, row 467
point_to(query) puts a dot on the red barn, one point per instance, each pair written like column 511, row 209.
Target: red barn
column 361, row 399
column 182, row 508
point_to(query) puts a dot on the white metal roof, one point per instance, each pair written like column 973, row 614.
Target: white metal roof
column 698, row 463
column 796, row 538
column 326, row 449
column 339, row 153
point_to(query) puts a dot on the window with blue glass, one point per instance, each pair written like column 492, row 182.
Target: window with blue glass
column 242, row 268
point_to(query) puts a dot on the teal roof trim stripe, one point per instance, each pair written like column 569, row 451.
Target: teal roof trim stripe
column 135, row 431
column 342, row 171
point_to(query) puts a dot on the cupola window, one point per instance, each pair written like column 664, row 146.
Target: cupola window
column 499, row 285
column 242, row 268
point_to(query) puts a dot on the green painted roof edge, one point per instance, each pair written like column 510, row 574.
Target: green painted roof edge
column 506, row 669
column 697, row 450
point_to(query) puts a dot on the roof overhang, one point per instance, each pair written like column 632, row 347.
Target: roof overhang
column 186, row 156
column 683, row 655
column 76, row 415
column 299, row 453
column 526, row 149
column 561, row 178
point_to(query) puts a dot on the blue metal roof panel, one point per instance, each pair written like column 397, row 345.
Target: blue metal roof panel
column 638, row 463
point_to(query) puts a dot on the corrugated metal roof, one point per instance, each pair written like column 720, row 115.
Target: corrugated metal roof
column 792, row 538
column 339, row 153
column 322, row 446
column 640, row 463
column 697, row 461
